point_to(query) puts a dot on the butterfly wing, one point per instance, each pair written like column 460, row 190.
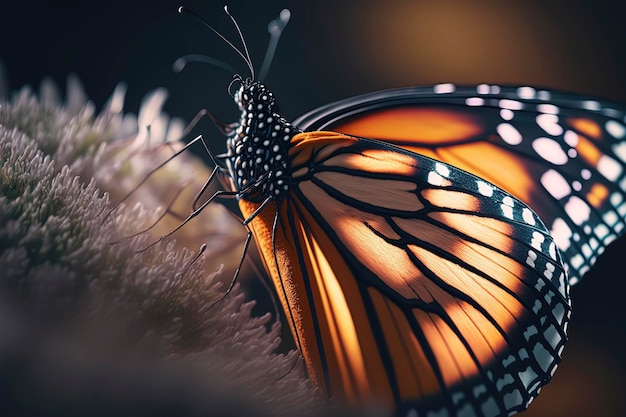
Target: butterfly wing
column 425, row 287
column 562, row 154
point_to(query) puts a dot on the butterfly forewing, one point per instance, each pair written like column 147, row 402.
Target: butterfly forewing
column 425, row 287
column 561, row 154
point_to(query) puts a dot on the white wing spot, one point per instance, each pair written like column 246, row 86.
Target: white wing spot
column 508, row 201
column 482, row 89
column 444, row 88
column 537, row 240
column 442, row 169
column 615, row 129
column 548, row 108
column 435, row 179
column 620, row 150
column 555, row 184
column 530, row 259
column 526, row 92
column 549, row 123
column 484, row 188
column 601, row 231
column 585, row 174
column 509, row 134
column 610, row 218
column 507, row 211
column 561, row 233
column 577, row 210
column 552, row 250
column 510, row 104
column 550, row 150
column 609, row 167
column 506, row 114
column 528, row 217
column 571, row 138
column 474, row 101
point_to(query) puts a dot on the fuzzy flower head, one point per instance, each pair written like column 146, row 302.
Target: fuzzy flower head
column 82, row 302
column 118, row 150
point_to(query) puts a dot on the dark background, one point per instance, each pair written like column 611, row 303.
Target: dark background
column 336, row 49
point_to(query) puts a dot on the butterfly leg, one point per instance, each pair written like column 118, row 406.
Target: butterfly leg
column 152, row 171
column 236, row 274
column 168, row 210
column 217, row 194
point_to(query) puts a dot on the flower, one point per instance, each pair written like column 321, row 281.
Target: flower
column 99, row 319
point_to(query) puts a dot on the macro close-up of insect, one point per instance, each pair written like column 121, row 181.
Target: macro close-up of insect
column 406, row 280
column 424, row 243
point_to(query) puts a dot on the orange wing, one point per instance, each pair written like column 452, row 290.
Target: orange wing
column 410, row 282
column 561, row 154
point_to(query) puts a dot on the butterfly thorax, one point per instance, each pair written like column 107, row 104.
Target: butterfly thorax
column 258, row 147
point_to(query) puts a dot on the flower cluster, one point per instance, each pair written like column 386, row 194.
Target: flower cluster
column 95, row 324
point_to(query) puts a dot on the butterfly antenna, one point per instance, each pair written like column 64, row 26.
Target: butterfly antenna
column 243, row 41
column 246, row 57
column 181, row 62
column 275, row 28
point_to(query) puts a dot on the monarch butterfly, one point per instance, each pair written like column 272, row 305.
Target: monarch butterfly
column 404, row 234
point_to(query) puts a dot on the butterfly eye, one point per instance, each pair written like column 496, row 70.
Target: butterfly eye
column 243, row 97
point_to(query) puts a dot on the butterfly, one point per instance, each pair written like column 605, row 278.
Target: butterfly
column 422, row 241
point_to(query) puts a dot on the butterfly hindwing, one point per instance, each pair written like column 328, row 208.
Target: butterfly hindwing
column 561, row 154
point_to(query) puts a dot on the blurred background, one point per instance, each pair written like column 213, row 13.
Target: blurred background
column 336, row 49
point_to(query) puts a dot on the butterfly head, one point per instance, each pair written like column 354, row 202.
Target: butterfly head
column 258, row 144
column 253, row 95
column 258, row 147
